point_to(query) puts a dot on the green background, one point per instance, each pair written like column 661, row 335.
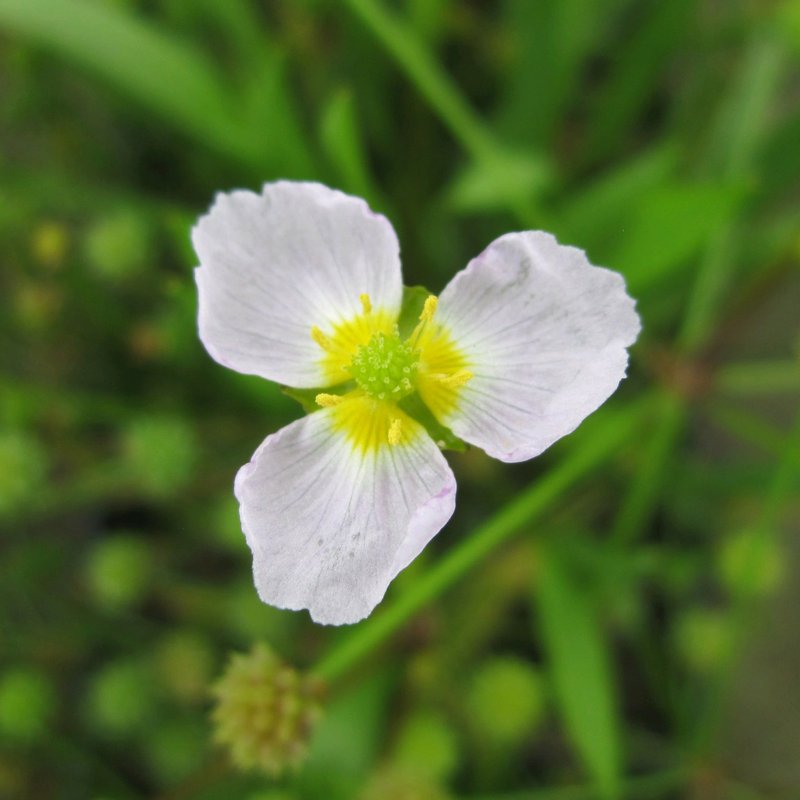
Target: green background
column 615, row 618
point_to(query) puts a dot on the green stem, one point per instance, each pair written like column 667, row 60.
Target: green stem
column 706, row 293
column 760, row 377
column 539, row 496
column 646, row 488
column 433, row 83
column 443, row 95
column 748, row 427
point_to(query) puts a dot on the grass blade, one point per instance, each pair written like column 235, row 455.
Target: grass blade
column 580, row 666
column 341, row 140
column 167, row 75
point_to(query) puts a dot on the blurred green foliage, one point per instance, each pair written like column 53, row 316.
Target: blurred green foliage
column 595, row 655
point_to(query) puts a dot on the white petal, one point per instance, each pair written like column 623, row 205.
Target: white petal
column 274, row 265
column 330, row 527
column 545, row 335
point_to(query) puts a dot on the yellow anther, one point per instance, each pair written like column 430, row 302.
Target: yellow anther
column 321, row 339
column 366, row 303
column 429, row 309
column 455, row 379
column 395, row 431
column 328, row 400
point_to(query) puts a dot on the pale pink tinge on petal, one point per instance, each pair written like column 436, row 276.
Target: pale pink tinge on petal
column 330, row 527
column 274, row 265
column 545, row 334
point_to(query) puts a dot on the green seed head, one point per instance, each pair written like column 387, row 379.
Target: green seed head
column 386, row 367
column 265, row 711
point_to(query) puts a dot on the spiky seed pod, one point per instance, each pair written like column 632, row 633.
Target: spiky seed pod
column 265, row 711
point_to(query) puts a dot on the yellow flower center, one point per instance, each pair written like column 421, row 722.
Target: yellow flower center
column 385, row 368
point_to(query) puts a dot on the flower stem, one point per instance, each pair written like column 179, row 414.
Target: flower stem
column 443, row 95
column 760, row 377
column 434, row 84
column 608, row 432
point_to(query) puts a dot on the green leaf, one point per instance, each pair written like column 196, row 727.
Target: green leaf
column 671, row 225
column 636, row 71
column 743, row 115
column 551, row 41
column 163, row 73
column 273, row 119
column 497, row 182
column 423, row 69
column 594, row 216
column 580, row 665
column 343, row 145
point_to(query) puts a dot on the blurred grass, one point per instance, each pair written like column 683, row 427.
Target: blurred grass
column 664, row 138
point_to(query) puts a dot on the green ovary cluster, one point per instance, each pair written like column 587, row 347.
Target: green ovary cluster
column 386, row 367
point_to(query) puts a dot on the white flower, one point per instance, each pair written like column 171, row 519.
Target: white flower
column 302, row 285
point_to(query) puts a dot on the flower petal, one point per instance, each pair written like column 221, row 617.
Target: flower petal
column 330, row 525
column 275, row 265
column 544, row 334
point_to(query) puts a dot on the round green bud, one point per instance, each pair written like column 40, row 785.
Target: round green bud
column 265, row 711
column 427, row 744
column 702, row 637
column 27, row 703
column 118, row 571
column 386, row 367
column 506, row 700
column 119, row 245
column 161, row 452
column 750, row 562
column 121, row 698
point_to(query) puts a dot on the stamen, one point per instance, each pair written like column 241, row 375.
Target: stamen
column 429, row 309
column 455, row 379
column 395, row 431
column 366, row 303
column 328, row 400
column 321, row 339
